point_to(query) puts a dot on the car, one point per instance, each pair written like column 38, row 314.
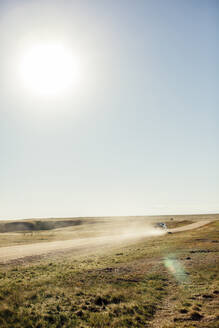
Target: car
column 161, row 225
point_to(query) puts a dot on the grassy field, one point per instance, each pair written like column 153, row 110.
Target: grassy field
column 167, row 281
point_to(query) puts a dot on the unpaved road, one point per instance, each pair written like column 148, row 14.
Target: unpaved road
column 190, row 226
column 12, row 253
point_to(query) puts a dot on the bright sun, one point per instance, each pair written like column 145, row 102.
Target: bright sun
column 49, row 70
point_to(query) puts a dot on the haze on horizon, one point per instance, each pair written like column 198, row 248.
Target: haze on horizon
column 126, row 124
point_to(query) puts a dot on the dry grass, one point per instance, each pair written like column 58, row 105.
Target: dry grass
column 170, row 281
column 177, row 224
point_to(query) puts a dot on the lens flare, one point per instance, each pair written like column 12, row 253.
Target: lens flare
column 176, row 268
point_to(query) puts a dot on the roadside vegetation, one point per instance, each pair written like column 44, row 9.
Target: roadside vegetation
column 170, row 281
column 176, row 224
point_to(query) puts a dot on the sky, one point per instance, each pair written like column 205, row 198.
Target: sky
column 136, row 134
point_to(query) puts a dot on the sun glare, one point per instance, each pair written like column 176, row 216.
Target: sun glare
column 48, row 70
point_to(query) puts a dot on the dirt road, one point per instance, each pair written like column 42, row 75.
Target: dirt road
column 12, row 253
column 190, row 226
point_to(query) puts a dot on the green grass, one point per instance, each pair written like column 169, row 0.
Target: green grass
column 129, row 286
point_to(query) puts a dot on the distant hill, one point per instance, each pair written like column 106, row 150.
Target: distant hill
column 36, row 225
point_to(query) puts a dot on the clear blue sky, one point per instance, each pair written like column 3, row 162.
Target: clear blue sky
column 142, row 134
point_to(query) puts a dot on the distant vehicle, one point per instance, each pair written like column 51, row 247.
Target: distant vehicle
column 161, row 225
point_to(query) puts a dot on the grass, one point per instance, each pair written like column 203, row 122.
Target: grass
column 177, row 224
column 170, row 281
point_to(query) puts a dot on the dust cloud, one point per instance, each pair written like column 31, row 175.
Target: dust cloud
column 118, row 230
column 90, row 236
